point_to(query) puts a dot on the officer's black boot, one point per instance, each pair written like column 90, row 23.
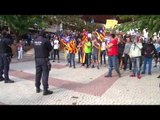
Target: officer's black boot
column 1, row 79
column 47, row 92
column 38, row 90
column 8, row 81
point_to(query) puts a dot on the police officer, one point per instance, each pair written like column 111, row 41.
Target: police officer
column 42, row 48
column 5, row 57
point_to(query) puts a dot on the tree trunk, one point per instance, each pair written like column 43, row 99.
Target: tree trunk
column 14, row 45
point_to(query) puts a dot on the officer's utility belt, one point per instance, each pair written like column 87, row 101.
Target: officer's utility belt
column 48, row 62
column 43, row 58
column 5, row 54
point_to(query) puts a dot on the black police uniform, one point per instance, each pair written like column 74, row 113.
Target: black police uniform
column 42, row 49
column 5, row 58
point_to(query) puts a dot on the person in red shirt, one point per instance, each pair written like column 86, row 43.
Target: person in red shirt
column 112, row 47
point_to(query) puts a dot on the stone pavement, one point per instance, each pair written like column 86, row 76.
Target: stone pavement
column 80, row 86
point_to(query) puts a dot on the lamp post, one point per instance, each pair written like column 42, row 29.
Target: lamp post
column 92, row 22
column 36, row 27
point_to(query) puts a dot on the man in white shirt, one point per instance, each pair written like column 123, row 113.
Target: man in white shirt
column 103, row 51
column 20, row 50
column 145, row 35
column 56, row 48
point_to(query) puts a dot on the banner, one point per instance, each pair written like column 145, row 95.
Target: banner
column 111, row 23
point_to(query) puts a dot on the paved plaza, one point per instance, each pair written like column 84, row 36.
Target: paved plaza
column 80, row 86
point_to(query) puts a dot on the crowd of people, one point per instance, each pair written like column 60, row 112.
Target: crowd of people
column 124, row 51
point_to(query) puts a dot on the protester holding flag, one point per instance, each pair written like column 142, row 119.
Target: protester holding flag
column 65, row 39
column 84, row 39
column 101, row 34
column 72, row 51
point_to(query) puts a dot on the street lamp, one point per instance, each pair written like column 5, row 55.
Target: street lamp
column 92, row 22
column 36, row 27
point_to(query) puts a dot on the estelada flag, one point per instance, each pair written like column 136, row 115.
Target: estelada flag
column 66, row 40
column 84, row 36
column 72, row 47
column 101, row 34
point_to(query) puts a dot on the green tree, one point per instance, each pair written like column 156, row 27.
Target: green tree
column 73, row 22
column 19, row 24
column 152, row 22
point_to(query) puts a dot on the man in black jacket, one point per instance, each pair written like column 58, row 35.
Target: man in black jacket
column 5, row 57
column 149, row 53
column 42, row 49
